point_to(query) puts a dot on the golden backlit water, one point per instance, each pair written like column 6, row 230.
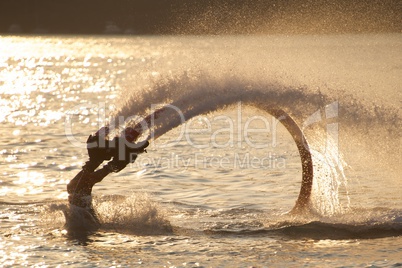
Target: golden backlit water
column 224, row 199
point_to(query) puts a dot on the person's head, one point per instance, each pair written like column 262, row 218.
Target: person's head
column 130, row 134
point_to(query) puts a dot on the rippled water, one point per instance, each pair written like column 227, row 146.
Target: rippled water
column 217, row 196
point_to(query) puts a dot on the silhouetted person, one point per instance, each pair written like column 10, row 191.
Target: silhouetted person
column 120, row 151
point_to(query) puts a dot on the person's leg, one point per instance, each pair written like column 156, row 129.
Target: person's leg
column 80, row 187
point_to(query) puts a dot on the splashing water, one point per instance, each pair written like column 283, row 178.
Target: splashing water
column 213, row 209
column 136, row 214
column 329, row 182
column 190, row 96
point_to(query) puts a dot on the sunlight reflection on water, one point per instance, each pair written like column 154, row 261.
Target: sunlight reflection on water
column 42, row 79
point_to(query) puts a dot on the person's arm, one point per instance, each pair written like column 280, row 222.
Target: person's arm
column 98, row 151
column 131, row 153
column 99, row 175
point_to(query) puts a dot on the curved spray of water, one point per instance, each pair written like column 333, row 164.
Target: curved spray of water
column 197, row 99
column 172, row 119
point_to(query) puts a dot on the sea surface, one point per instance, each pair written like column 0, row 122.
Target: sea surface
column 216, row 190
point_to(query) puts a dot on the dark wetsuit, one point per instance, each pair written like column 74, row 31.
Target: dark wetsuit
column 99, row 150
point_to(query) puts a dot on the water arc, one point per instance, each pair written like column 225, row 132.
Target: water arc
column 170, row 119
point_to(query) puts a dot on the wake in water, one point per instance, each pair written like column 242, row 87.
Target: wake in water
column 352, row 225
column 139, row 215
